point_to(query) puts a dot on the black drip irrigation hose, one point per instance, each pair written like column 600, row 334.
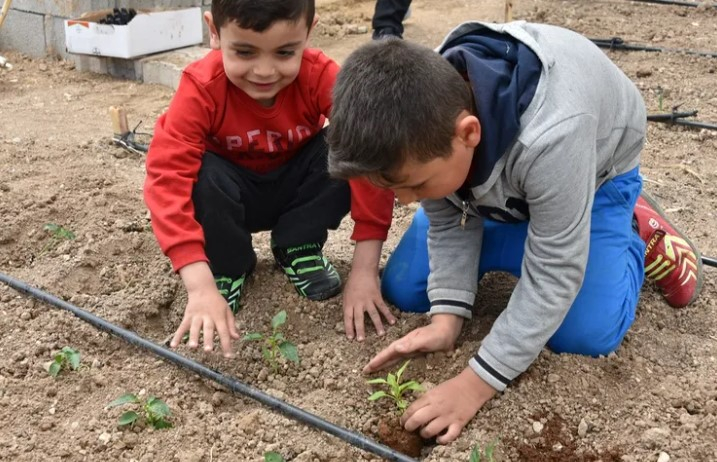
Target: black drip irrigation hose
column 617, row 43
column 678, row 3
column 677, row 118
column 355, row 439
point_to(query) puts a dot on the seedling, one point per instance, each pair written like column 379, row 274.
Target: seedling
column 57, row 234
column 275, row 345
column 486, row 455
column 155, row 411
column 396, row 389
column 273, row 457
column 67, row 357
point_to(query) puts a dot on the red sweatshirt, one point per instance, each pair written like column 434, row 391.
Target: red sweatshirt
column 209, row 113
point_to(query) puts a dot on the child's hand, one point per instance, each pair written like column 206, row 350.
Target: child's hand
column 362, row 295
column 206, row 311
column 439, row 335
column 446, row 409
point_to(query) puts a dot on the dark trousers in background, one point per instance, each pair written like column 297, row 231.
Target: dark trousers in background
column 390, row 14
column 298, row 202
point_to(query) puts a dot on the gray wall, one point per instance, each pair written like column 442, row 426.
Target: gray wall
column 36, row 27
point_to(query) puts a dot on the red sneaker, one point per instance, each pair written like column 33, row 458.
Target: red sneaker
column 671, row 260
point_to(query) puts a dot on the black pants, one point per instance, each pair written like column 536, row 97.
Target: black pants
column 389, row 14
column 297, row 202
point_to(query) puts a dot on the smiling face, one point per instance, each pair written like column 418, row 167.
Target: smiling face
column 260, row 63
column 440, row 176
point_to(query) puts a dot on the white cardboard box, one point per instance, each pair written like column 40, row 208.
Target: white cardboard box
column 148, row 32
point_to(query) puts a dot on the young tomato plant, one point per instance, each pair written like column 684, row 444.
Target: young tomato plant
column 57, row 233
column 155, row 411
column 67, row 357
column 273, row 457
column 275, row 344
column 396, row 389
column 486, row 455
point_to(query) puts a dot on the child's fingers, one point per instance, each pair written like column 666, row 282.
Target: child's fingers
column 349, row 321
column 194, row 331
column 454, row 430
column 376, row 318
column 386, row 312
column 224, row 339
column 231, row 322
column 359, row 324
column 208, row 334
column 183, row 328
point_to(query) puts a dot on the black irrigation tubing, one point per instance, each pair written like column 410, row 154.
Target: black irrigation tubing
column 678, row 119
column 617, row 43
column 356, row 439
column 709, row 261
column 678, row 3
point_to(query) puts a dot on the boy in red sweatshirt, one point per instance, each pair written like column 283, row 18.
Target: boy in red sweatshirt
column 241, row 149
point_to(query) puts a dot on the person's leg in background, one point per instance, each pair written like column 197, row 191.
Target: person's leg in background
column 388, row 18
column 605, row 306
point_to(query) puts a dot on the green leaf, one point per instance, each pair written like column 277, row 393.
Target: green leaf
column 127, row 418
column 273, row 457
column 279, row 337
column 74, row 359
column 51, row 227
column 253, row 336
column 157, row 407
column 391, row 379
column 124, row 399
column 412, row 385
column 377, row 395
column 279, row 319
column 289, row 351
column 400, row 371
column 54, row 368
column 268, row 355
column 161, row 424
column 377, row 381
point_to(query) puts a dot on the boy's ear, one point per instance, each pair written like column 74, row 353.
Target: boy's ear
column 313, row 24
column 468, row 129
column 213, row 31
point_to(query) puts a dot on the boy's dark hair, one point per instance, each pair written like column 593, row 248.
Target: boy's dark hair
column 393, row 100
column 259, row 15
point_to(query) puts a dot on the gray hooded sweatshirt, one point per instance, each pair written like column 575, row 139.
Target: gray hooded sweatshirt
column 584, row 125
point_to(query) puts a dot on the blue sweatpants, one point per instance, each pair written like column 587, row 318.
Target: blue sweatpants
column 605, row 306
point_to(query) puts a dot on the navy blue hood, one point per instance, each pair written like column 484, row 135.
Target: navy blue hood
column 503, row 73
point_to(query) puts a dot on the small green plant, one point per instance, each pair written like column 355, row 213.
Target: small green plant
column 485, row 455
column 275, row 345
column 57, row 234
column 273, row 457
column 155, row 411
column 67, row 357
column 396, row 389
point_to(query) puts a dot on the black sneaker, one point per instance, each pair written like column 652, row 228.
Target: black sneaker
column 310, row 272
column 386, row 33
column 231, row 290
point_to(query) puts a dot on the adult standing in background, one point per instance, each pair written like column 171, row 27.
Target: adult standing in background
column 388, row 18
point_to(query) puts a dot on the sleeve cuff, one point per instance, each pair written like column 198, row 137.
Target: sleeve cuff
column 183, row 254
column 451, row 301
column 370, row 231
column 492, row 371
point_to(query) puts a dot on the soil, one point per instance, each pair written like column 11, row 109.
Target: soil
column 392, row 434
column 654, row 399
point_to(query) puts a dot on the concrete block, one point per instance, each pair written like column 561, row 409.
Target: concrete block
column 62, row 8
column 55, row 37
column 156, row 4
column 166, row 68
column 122, row 68
column 24, row 32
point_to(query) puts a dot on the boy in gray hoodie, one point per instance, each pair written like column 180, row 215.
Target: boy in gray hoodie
column 522, row 142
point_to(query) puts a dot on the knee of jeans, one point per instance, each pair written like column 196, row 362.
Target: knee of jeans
column 401, row 293
column 588, row 342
